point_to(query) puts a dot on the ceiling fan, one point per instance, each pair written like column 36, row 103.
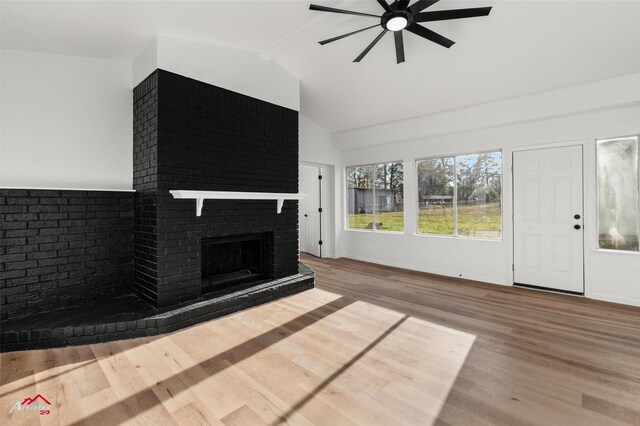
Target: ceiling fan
column 400, row 16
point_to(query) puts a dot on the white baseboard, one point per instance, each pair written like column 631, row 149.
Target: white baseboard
column 595, row 296
column 427, row 270
column 620, row 300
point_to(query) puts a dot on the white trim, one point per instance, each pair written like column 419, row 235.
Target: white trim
column 328, row 198
column 460, row 237
column 373, row 231
column 26, row 188
column 612, row 299
column 616, row 252
column 441, row 272
column 200, row 196
column 583, row 143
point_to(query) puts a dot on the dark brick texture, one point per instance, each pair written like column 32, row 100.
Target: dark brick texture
column 125, row 318
column 63, row 248
column 192, row 135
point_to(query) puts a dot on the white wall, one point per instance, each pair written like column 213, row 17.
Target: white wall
column 599, row 96
column 316, row 144
column 609, row 275
column 145, row 63
column 316, row 149
column 66, row 121
column 236, row 70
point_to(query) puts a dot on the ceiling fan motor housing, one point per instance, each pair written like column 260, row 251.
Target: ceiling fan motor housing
column 388, row 16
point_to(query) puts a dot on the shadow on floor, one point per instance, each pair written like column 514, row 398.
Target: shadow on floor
column 147, row 399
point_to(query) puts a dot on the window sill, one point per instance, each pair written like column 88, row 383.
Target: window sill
column 616, row 252
column 451, row 237
column 370, row 231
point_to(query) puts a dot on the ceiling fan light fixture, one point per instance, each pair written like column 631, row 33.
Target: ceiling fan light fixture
column 402, row 16
column 397, row 23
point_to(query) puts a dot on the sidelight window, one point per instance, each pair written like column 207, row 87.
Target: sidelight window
column 618, row 199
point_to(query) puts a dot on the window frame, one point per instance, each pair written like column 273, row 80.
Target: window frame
column 345, row 210
column 455, row 196
column 597, row 189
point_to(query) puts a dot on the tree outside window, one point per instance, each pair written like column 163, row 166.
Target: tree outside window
column 461, row 195
column 375, row 200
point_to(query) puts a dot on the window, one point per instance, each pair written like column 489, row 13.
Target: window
column 375, row 197
column 461, row 195
column 618, row 193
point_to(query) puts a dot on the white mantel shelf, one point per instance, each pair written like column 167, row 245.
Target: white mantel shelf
column 200, row 196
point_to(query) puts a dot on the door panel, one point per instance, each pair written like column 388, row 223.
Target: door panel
column 547, row 193
column 309, row 219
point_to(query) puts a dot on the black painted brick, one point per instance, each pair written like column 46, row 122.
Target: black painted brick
column 40, row 270
column 191, row 135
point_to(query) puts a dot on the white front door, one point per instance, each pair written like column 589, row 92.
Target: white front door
column 310, row 210
column 548, row 218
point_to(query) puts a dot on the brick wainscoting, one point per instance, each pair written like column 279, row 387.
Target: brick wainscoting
column 73, row 263
column 63, row 248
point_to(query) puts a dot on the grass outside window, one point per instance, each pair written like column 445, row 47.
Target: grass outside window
column 375, row 197
column 461, row 195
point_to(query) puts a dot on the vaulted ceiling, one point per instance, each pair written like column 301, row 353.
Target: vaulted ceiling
column 522, row 48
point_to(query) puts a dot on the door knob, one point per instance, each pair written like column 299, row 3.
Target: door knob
column 576, row 216
column 306, row 215
column 576, row 226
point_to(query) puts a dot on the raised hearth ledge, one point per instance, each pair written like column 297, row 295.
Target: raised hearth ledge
column 200, row 196
column 114, row 319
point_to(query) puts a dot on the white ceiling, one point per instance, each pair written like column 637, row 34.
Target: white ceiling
column 523, row 47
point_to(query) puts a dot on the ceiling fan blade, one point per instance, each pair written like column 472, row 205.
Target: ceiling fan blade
column 329, row 40
column 421, row 5
column 402, row 4
column 369, row 47
column 399, row 46
column 385, row 5
column 430, row 35
column 346, row 12
column 444, row 15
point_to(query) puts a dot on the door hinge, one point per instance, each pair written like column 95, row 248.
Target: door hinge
column 512, row 267
column 320, row 177
column 320, row 242
column 320, row 210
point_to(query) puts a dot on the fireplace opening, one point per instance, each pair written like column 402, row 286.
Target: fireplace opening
column 234, row 260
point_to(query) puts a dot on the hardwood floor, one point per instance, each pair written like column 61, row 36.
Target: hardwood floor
column 371, row 345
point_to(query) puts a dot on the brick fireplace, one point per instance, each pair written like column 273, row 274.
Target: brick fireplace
column 190, row 135
column 79, row 267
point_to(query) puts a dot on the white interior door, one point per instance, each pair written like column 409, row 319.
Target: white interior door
column 548, row 218
column 310, row 210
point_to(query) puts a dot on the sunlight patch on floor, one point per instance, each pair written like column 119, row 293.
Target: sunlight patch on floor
column 313, row 358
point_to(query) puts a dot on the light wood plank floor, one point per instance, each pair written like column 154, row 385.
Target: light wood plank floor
column 371, row 345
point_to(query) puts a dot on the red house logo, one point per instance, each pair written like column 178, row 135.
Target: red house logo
column 38, row 404
column 29, row 401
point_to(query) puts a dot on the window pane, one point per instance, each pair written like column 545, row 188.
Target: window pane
column 360, row 197
column 618, row 194
column 479, row 195
column 435, row 196
column 389, row 197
